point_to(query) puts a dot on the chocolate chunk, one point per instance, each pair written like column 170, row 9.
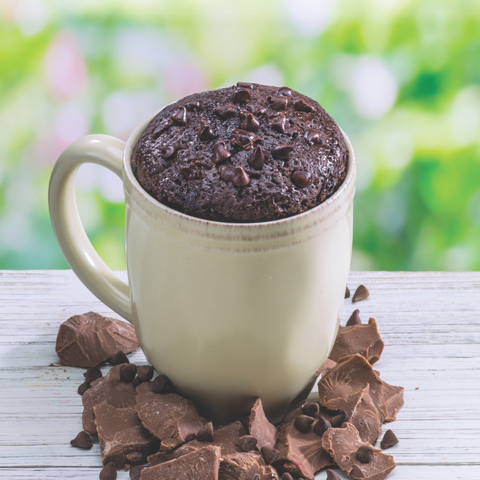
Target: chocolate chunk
column 169, row 152
column 241, row 96
column 158, row 458
column 180, row 116
column 83, row 387
column 260, row 428
column 361, row 293
column 108, row 472
column 245, row 421
column 90, row 339
column 240, row 177
column 256, row 109
column 118, row 359
column 332, row 475
column 313, row 136
column 301, row 178
column 205, row 132
column 245, row 85
column 226, row 172
column 347, row 292
column 285, row 91
column 270, row 455
column 246, row 466
column 220, row 152
column 168, row 444
column 159, row 129
column 82, row 440
column 92, row 374
column 282, row 152
column 128, row 372
column 339, row 419
column 225, row 111
column 244, row 139
column 247, row 443
column 160, row 384
column 200, row 464
column 388, row 440
column 303, row 423
column 321, row 426
column 250, row 123
column 365, row 454
column 193, row 106
column 363, row 339
column 365, row 417
column 145, row 373
column 311, row 409
column 287, row 476
column 135, row 472
column 278, row 123
column 280, row 103
column 329, row 364
column 191, row 172
column 257, row 158
column 205, row 434
column 303, row 105
column 134, row 457
column 354, row 319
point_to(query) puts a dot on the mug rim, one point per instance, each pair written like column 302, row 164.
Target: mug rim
column 132, row 180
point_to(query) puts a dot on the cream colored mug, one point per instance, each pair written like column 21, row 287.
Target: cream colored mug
column 229, row 312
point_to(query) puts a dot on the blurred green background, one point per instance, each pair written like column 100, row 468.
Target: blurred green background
column 401, row 77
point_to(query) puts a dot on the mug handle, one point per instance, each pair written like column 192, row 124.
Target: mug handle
column 76, row 247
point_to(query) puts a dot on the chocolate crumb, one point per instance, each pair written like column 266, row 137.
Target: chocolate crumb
column 145, row 373
column 92, row 374
column 339, row 419
column 303, row 423
column 388, row 440
column 311, row 409
column 108, row 472
column 160, row 384
column 354, row 319
column 270, row 454
column 347, row 292
column 128, row 372
column 118, row 359
column 332, row 475
column 321, row 426
column 247, row 443
column 83, row 440
column 83, row 387
column 205, row 434
column 364, row 454
column 135, row 472
column 361, row 293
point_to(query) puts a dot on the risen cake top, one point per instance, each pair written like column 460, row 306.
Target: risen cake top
column 242, row 154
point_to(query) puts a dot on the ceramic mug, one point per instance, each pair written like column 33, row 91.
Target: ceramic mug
column 229, row 312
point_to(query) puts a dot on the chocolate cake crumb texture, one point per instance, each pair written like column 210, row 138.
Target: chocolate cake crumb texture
column 242, row 154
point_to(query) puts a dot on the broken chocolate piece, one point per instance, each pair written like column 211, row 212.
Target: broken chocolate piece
column 82, row 440
column 388, row 440
column 260, row 428
column 168, row 444
column 303, row 423
column 158, row 458
column 128, row 372
column 205, row 434
column 247, row 443
column 90, row 339
column 135, row 472
column 329, row 364
column 245, row 466
column 365, row 417
column 118, row 359
column 92, row 374
column 354, row 319
column 332, row 475
column 347, row 292
column 160, row 384
column 270, row 455
column 108, row 472
column 361, row 293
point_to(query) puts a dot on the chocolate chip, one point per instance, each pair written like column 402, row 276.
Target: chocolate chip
column 347, row 292
column 118, row 359
column 256, row 109
column 136, row 382
column 169, row 152
column 257, row 158
column 332, row 475
column 354, row 319
column 285, row 91
column 241, row 96
column 83, row 387
column 313, row 136
column 191, row 172
column 388, row 440
column 145, row 373
column 278, row 123
column 160, row 384
column 226, row 172
column 134, row 457
column 224, row 111
column 245, row 85
column 92, row 374
column 240, row 177
column 287, row 476
column 108, row 472
column 247, row 443
column 244, row 139
column 135, row 472
column 82, row 440
column 220, row 152
column 303, row 423
column 168, row 444
column 303, row 105
column 339, row 419
column 270, row 455
column 160, row 129
column 191, row 106
column 128, row 372
column 321, row 426
column 205, row 434
column 280, row 103
column 282, row 152
column 361, row 293
column 364, row 454
column 180, row 116
column 250, row 123
column 311, row 409
column 205, row 132
column 301, row 178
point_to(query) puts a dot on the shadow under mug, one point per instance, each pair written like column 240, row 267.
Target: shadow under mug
column 229, row 312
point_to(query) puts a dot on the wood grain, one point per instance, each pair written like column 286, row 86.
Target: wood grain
column 430, row 323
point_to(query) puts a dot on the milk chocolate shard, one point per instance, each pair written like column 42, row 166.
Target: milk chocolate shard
column 362, row 339
column 199, row 464
column 343, row 443
column 260, row 427
column 340, row 388
column 365, row 417
column 301, row 454
column 110, row 389
column 171, row 418
column 90, row 339
column 123, row 440
column 243, row 466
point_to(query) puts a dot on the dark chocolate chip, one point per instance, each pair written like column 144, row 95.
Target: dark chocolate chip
column 245, row 85
column 250, row 123
column 282, row 152
column 191, row 106
column 247, row 443
column 257, row 158
column 220, row 152
column 280, row 103
column 241, row 96
column 287, row 476
column 145, row 373
column 364, row 454
column 83, row 387
column 285, row 91
column 339, row 419
column 169, row 152
column 240, row 177
column 180, row 116
column 160, row 384
column 168, row 444
column 92, row 374
column 160, row 129
column 278, row 123
column 244, row 139
column 108, row 472
column 313, row 136
column 205, row 132
column 128, row 372
column 270, row 455
column 311, row 409
column 205, row 434
column 347, row 292
column 135, row 472
column 191, row 172
column 301, row 178
column 118, row 359
column 256, row 109
column 136, row 382
column 226, row 172
column 321, row 426
column 332, row 475
column 303, row 423
column 134, row 457
column 354, row 319
column 388, row 440
column 224, row 111
column 82, row 440
column 361, row 293
column 303, row 105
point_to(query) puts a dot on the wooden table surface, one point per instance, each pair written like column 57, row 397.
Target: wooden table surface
column 430, row 323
